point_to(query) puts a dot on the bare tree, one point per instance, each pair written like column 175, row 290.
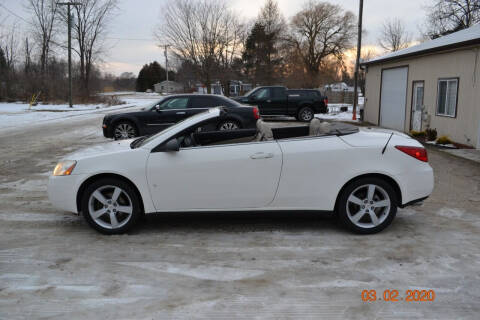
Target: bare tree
column 447, row 16
column 44, row 14
column 321, row 30
column 394, row 36
column 90, row 24
column 205, row 33
column 233, row 37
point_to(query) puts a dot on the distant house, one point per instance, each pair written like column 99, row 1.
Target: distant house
column 337, row 87
column 168, row 87
column 340, row 92
column 434, row 84
column 216, row 88
column 238, row 88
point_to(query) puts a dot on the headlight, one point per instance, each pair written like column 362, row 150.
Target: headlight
column 64, row 168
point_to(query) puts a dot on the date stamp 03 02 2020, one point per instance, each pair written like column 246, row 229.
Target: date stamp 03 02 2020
column 394, row 296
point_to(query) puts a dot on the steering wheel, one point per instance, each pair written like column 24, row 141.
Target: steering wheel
column 188, row 141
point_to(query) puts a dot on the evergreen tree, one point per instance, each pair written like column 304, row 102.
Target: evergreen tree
column 3, row 73
column 151, row 74
column 254, row 55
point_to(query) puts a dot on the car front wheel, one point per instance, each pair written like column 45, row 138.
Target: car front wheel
column 111, row 206
column 367, row 205
column 124, row 130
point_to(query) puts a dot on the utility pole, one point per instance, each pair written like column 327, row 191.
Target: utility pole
column 69, row 22
column 166, row 62
column 357, row 63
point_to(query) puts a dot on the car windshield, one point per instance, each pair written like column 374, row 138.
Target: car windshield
column 153, row 137
column 249, row 93
column 153, row 104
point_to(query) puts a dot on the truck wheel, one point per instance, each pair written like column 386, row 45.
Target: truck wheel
column 305, row 114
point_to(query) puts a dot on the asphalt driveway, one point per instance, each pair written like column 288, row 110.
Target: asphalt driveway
column 230, row 265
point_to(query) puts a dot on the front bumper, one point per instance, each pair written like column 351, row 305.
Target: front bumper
column 62, row 191
column 106, row 132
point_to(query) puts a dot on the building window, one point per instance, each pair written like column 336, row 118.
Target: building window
column 447, row 97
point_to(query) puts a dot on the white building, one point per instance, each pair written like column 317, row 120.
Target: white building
column 168, row 87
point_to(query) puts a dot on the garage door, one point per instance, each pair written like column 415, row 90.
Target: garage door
column 393, row 98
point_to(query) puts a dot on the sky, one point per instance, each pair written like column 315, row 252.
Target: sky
column 138, row 19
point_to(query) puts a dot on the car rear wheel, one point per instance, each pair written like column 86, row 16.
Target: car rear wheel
column 305, row 114
column 124, row 130
column 111, row 206
column 367, row 205
column 228, row 125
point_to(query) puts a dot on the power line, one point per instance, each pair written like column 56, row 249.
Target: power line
column 130, row 39
column 13, row 13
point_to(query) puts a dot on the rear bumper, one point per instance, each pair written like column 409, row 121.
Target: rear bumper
column 416, row 185
column 413, row 202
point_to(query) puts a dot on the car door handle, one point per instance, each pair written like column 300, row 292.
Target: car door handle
column 181, row 112
column 269, row 101
column 261, row 155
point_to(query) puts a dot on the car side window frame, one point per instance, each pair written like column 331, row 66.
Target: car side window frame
column 192, row 99
column 176, row 108
column 190, row 129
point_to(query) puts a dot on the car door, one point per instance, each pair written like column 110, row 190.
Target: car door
column 277, row 104
column 262, row 100
column 168, row 113
column 232, row 176
column 199, row 104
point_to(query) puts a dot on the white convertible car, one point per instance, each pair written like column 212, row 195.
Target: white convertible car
column 361, row 175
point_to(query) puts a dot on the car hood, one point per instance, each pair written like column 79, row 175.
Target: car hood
column 109, row 117
column 100, row 150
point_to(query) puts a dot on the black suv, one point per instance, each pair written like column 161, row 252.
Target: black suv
column 174, row 108
column 277, row 100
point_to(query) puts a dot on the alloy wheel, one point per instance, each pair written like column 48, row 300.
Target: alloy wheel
column 110, row 207
column 124, row 131
column 368, row 206
column 306, row 115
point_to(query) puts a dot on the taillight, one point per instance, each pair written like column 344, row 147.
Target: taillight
column 325, row 101
column 416, row 152
column 256, row 113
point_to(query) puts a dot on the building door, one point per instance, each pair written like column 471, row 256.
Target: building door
column 393, row 98
column 417, row 106
column 478, row 137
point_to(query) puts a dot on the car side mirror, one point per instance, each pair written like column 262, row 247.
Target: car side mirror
column 172, row 145
column 157, row 108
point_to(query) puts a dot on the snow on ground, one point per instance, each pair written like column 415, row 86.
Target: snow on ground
column 335, row 114
column 15, row 115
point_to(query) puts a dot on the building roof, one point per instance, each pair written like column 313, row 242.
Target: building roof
column 458, row 39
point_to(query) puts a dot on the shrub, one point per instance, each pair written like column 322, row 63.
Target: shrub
column 431, row 134
column 418, row 134
column 444, row 140
column 111, row 100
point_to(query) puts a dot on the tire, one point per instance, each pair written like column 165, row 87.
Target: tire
column 124, row 130
column 356, row 207
column 228, row 125
column 99, row 206
column 305, row 114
